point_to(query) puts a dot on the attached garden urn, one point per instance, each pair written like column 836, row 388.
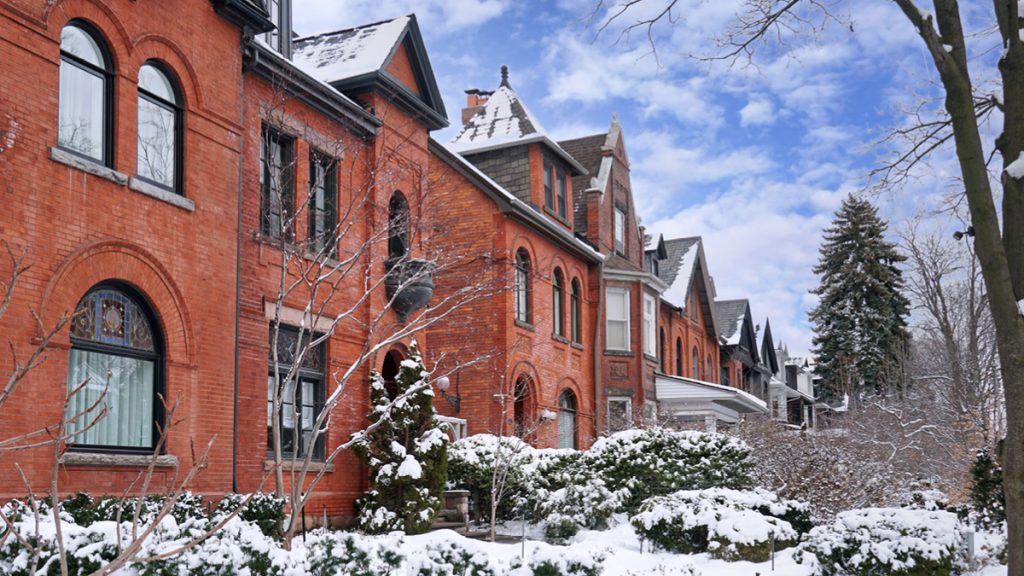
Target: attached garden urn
column 409, row 284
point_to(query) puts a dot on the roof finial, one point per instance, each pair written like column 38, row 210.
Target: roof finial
column 504, row 76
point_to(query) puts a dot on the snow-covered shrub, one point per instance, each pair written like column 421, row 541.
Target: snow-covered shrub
column 925, row 499
column 476, row 461
column 264, row 510
column 331, row 554
column 581, row 502
column 892, row 541
column 730, row 524
column 657, row 461
column 676, row 568
column 988, row 500
column 407, row 453
column 560, row 562
column 449, row 559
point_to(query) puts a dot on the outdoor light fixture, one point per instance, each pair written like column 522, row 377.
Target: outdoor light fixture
column 547, row 415
column 443, row 384
column 958, row 235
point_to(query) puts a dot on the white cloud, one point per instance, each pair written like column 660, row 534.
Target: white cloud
column 436, row 17
column 758, row 111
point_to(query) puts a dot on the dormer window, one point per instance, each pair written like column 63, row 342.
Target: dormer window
column 280, row 38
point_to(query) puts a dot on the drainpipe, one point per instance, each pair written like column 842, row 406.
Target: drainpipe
column 597, row 348
column 246, row 35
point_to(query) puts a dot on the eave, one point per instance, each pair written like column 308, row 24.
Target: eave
column 391, row 88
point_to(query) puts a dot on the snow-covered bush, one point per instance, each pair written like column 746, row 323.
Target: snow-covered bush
column 676, row 568
column 476, row 461
column 925, row 499
column 332, row 553
column 892, row 541
column 407, row 453
column 988, row 500
column 263, row 510
column 581, row 502
column 657, row 461
column 560, row 562
column 449, row 559
column 730, row 524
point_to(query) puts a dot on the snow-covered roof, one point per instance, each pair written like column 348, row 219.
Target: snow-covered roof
column 730, row 315
column 672, row 390
column 504, row 120
column 348, row 53
column 677, row 270
column 519, row 205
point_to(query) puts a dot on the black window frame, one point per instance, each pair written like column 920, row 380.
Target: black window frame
column 158, row 356
column 568, row 404
column 313, row 369
column 561, row 195
column 558, row 303
column 328, row 186
column 107, row 73
column 549, row 193
column 575, row 312
column 271, row 136
column 177, row 108
column 522, row 287
column 679, row 356
column 619, row 243
column 399, row 240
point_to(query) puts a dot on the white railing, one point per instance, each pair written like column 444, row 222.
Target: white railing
column 457, row 427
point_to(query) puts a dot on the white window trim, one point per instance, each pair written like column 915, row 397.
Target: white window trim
column 650, row 326
column 608, row 319
column 619, row 230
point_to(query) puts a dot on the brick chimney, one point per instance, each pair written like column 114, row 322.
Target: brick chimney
column 475, row 101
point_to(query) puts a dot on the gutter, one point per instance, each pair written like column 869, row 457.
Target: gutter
column 598, row 403
column 238, row 262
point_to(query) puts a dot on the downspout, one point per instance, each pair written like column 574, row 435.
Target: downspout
column 246, row 35
column 597, row 348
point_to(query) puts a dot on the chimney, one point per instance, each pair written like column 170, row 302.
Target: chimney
column 475, row 101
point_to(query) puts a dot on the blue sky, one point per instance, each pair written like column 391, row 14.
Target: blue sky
column 753, row 158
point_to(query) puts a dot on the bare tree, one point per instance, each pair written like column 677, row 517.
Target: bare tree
column 357, row 270
column 965, row 105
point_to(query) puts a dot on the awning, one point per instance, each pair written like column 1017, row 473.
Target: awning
column 791, row 393
column 688, row 397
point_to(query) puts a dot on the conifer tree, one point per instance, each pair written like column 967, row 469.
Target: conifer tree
column 987, row 497
column 860, row 321
column 407, row 454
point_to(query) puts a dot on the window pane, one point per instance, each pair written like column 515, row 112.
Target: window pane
column 566, row 429
column 129, row 399
column 152, row 80
column 156, row 150
column 80, row 122
column 81, row 44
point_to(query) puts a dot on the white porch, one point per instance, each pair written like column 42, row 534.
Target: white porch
column 689, row 399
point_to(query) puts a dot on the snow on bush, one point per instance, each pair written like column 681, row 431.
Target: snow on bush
column 730, row 524
column 552, row 561
column 676, row 568
column 892, row 541
column 475, row 462
column 657, row 461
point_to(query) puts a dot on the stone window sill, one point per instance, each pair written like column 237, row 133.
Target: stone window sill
column 106, row 459
column 289, row 465
column 577, row 345
column 88, row 166
column 525, row 326
column 613, row 352
column 162, row 194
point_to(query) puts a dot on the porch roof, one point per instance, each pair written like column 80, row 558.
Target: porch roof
column 676, row 390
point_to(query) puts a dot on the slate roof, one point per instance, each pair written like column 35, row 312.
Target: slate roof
column 677, row 270
column 730, row 315
column 348, row 53
column 586, row 151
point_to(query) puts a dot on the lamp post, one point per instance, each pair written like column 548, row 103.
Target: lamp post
column 443, row 384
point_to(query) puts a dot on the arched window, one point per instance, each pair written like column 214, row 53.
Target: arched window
column 695, row 364
column 85, row 104
column 708, row 372
column 575, row 312
column 567, row 420
column 522, row 286
column 115, row 361
column 558, row 302
column 398, row 227
column 159, row 145
column 679, row 356
column 661, row 350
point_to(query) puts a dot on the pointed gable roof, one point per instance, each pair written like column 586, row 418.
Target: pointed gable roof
column 358, row 58
column 768, row 356
column 731, row 314
column 596, row 154
column 503, row 121
column 684, row 263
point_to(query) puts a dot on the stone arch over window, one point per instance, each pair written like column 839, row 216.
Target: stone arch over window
column 567, row 422
column 85, row 107
column 398, row 226
column 159, row 148
column 558, row 302
column 695, row 364
column 523, row 286
column 116, row 364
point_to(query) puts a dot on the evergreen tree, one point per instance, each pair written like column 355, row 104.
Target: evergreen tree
column 987, row 497
column 407, row 454
column 860, row 321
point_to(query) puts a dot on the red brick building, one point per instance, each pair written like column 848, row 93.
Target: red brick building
column 193, row 189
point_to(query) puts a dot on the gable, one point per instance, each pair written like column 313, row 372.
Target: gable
column 401, row 68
